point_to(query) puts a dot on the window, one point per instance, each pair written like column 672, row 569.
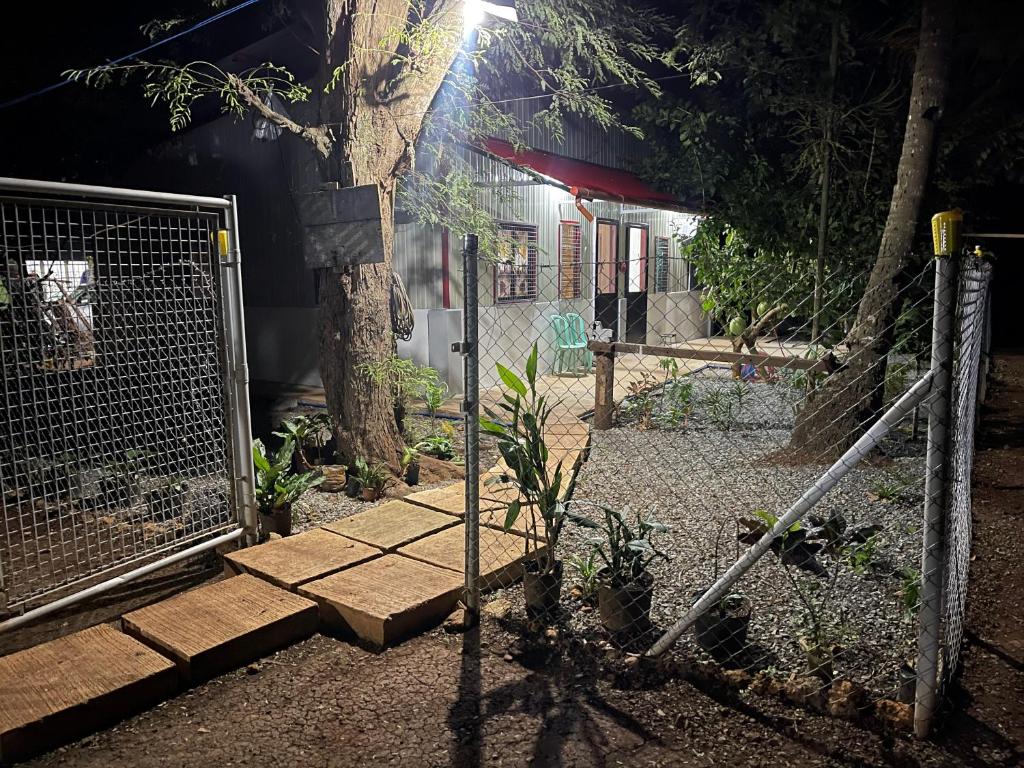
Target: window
column 515, row 276
column 661, row 245
column 570, row 259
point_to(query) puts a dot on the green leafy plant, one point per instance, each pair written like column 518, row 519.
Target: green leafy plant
column 308, row 432
column 403, row 377
column 641, row 401
column 433, row 397
column 910, row 592
column 409, row 456
column 720, row 408
column 519, row 434
column 439, row 446
column 586, row 567
column 374, row 475
column 276, row 485
column 885, row 489
column 624, row 547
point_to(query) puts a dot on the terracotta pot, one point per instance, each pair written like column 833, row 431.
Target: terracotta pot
column 370, row 494
column 625, row 609
column 543, row 590
column 279, row 521
column 722, row 629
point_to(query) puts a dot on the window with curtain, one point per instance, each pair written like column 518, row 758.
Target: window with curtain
column 515, row 275
column 570, row 264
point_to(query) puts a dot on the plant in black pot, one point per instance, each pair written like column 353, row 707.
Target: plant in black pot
column 411, row 465
column 543, row 489
column 722, row 629
column 625, row 585
column 277, row 487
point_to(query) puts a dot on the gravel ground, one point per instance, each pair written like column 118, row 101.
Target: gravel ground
column 700, row 479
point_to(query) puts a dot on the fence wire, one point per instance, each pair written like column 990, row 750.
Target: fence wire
column 113, row 432
column 619, row 486
column 971, row 320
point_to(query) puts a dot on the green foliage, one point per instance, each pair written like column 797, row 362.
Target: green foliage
column 910, row 592
column 519, row 433
column 587, row 568
column 624, row 547
column 403, row 377
column 720, row 407
column 276, row 484
column 439, row 446
column 678, row 402
column 434, row 393
column 307, row 432
column 410, row 455
column 372, row 475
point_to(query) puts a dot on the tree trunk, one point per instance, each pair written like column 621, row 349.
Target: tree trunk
column 835, row 415
column 375, row 111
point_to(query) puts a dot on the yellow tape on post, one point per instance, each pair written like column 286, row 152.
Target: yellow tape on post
column 946, row 227
column 223, row 243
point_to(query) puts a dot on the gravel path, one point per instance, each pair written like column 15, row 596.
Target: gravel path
column 700, row 479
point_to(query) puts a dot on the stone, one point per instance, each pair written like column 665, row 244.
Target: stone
column 223, row 625
column 385, row 600
column 294, row 560
column 846, row 700
column 895, row 714
column 61, row 690
column 500, row 554
column 458, row 620
column 392, row 524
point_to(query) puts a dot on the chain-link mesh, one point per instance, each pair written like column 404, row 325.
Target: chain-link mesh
column 677, row 435
column 113, row 435
column 970, row 332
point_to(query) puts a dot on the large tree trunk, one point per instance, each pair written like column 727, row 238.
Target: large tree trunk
column 375, row 112
column 836, row 414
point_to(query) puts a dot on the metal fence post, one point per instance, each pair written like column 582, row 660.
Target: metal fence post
column 238, row 371
column 933, row 549
column 471, row 412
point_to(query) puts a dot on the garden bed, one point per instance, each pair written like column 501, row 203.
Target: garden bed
column 720, row 464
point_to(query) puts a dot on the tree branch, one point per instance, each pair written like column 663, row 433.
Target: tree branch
column 318, row 135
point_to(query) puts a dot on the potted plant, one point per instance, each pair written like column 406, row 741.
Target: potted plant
column 543, row 490
column 166, row 499
column 352, row 487
column 411, row 465
column 722, row 629
column 277, row 487
column 625, row 585
column 311, row 435
column 372, row 479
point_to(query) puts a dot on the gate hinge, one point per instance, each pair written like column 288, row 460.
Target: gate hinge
column 460, row 348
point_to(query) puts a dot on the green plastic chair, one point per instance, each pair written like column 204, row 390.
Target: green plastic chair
column 578, row 331
column 566, row 346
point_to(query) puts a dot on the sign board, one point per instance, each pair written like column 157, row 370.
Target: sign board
column 341, row 227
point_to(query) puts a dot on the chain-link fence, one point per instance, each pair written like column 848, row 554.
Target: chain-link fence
column 673, row 471
column 116, row 431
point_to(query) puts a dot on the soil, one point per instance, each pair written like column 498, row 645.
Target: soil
column 985, row 725
column 478, row 699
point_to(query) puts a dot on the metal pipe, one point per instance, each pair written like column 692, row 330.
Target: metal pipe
column 111, row 193
column 471, row 411
column 899, row 411
column 241, row 422
column 929, row 615
column 117, row 581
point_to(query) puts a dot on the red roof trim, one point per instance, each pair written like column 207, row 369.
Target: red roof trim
column 591, row 180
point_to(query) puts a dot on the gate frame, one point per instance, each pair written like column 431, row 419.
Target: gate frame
column 235, row 380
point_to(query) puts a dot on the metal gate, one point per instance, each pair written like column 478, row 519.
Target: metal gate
column 124, row 427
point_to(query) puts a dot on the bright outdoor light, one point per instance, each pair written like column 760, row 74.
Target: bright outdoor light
column 475, row 13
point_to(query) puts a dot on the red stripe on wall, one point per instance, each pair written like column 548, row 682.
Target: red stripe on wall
column 446, row 296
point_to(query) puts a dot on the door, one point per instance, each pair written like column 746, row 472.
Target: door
column 606, row 276
column 636, row 283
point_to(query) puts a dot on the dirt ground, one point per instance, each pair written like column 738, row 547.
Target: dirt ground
column 464, row 700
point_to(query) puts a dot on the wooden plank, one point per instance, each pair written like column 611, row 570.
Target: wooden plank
column 825, row 365
column 223, row 625
column 392, row 524
column 500, row 554
column 386, row 599
column 294, row 560
column 59, row 691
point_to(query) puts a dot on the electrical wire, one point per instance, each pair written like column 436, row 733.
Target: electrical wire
column 134, row 54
